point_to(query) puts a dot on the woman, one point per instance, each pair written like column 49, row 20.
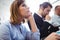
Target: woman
column 14, row 29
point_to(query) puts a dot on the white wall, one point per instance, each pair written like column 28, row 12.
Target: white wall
column 33, row 4
column 54, row 5
column 5, row 9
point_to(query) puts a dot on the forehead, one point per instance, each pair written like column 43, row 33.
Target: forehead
column 22, row 4
column 58, row 8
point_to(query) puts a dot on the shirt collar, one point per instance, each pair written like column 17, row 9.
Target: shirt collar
column 39, row 15
column 57, row 15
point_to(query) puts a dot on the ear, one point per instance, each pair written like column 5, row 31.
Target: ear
column 42, row 7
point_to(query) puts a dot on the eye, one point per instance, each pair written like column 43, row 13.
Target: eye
column 24, row 5
column 48, row 10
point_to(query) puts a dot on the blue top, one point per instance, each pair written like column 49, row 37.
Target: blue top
column 55, row 20
column 9, row 31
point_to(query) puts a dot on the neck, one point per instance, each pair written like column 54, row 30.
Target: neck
column 40, row 12
column 20, row 20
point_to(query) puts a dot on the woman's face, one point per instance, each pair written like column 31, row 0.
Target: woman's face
column 24, row 10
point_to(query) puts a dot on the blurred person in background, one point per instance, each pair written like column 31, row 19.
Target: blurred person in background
column 55, row 19
column 44, row 27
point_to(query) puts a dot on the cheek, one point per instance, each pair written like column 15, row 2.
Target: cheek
column 45, row 12
column 22, row 11
column 59, row 11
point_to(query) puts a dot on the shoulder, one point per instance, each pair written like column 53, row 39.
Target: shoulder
column 4, row 26
column 37, row 17
column 4, row 31
column 6, row 23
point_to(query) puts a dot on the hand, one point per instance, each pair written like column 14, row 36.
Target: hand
column 52, row 36
column 28, row 15
column 32, row 22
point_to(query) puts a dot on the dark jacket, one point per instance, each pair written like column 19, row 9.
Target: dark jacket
column 44, row 27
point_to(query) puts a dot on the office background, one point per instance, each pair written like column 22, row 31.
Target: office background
column 33, row 4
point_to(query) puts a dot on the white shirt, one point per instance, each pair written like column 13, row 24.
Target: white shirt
column 55, row 20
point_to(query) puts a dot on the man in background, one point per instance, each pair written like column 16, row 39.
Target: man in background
column 44, row 27
column 55, row 19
